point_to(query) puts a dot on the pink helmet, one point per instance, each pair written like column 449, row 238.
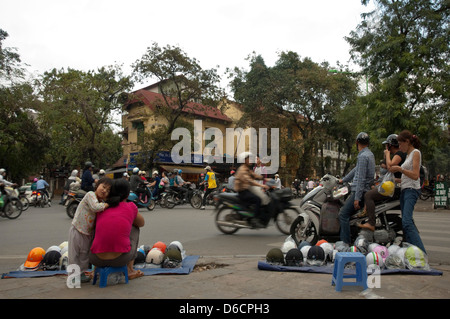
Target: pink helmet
column 382, row 251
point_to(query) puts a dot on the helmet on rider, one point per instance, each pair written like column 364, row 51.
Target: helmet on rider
column 135, row 170
column 88, row 165
column 391, row 140
column 363, row 138
column 244, row 155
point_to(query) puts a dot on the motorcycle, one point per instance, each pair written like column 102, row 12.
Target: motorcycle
column 197, row 196
column 73, row 198
column 39, row 199
column 172, row 197
column 319, row 216
column 143, row 199
column 232, row 214
column 10, row 205
column 426, row 192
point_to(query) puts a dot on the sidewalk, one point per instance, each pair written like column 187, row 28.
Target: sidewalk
column 232, row 278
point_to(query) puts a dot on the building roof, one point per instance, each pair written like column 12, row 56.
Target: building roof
column 151, row 99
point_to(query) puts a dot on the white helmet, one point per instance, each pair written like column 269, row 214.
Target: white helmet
column 374, row 258
column 287, row 245
column 328, row 249
column 241, row 157
column 155, row 256
column 135, row 170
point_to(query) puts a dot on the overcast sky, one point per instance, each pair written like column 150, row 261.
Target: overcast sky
column 86, row 34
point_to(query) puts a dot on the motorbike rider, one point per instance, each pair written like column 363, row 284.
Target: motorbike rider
column 210, row 180
column 4, row 182
column 180, row 185
column 87, row 181
column 244, row 181
column 392, row 147
column 155, row 184
column 362, row 178
column 41, row 187
column 135, row 181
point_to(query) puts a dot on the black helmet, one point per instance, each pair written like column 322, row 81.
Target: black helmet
column 294, row 257
column 392, row 140
column 88, row 164
column 363, row 138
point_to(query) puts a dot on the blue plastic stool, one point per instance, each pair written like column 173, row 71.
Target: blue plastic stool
column 104, row 273
column 339, row 266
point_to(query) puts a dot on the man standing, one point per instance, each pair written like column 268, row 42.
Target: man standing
column 362, row 178
column 210, row 179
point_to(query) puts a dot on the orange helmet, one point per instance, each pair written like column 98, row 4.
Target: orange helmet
column 320, row 242
column 161, row 246
column 34, row 257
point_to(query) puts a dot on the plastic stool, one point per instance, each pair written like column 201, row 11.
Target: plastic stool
column 339, row 265
column 104, row 273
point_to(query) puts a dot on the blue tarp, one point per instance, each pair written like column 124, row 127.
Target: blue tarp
column 328, row 269
column 186, row 267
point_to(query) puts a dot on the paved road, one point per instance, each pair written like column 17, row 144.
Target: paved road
column 237, row 276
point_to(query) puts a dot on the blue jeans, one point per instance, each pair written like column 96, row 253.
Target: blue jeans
column 408, row 200
column 344, row 218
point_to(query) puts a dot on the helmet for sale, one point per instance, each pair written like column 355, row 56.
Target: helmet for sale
column 145, row 249
column 387, row 188
column 140, row 256
column 392, row 140
column 287, row 245
column 374, row 258
column 154, row 256
column 394, row 262
column 34, row 258
column 382, row 251
column 362, row 244
column 401, row 253
column 393, row 249
column 161, row 246
column 363, row 138
column 341, row 246
column 172, row 259
column 353, row 249
column 294, row 257
column 275, row 257
column 320, row 242
column 64, row 261
column 53, row 248
column 177, row 244
column 63, row 244
column 316, row 256
column 415, row 258
column 303, row 244
column 372, row 246
column 328, row 250
column 305, row 250
column 51, row 260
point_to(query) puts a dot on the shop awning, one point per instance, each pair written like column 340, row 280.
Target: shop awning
column 185, row 169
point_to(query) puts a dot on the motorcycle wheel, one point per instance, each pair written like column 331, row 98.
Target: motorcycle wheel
column 298, row 227
column 71, row 209
column 169, row 201
column 226, row 214
column 152, row 205
column 285, row 219
column 196, row 201
column 25, row 203
column 13, row 208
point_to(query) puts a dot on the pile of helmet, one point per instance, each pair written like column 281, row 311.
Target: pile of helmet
column 303, row 255
column 159, row 255
column 54, row 258
column 393, row 256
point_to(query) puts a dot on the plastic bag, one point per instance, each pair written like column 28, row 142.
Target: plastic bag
column 387, row 185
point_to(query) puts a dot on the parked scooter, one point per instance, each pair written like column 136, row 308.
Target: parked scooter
column 232, row 214
column 73, row 198
column 319, row 216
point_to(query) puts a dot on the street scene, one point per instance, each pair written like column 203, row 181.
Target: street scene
column 227, row 264
column 225, row 157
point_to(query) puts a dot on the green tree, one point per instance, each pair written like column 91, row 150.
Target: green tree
column 403, row 48
column 295, row 93
column 78, row 112
column 22, row 142
column 181, row 82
